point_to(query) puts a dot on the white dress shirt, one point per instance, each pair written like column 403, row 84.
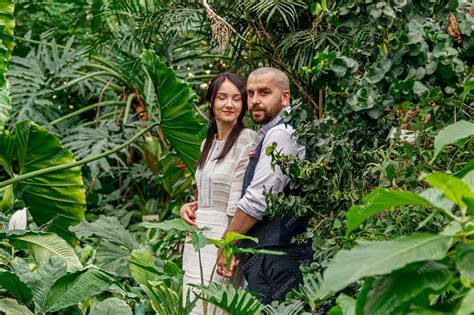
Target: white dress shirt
column 253, row 202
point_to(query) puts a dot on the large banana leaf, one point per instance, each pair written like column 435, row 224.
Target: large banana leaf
column 7, row 26
column 44, row 246
column 111, row 306
column 11, row 307
column 40, row 281
column 56, row 198
column 106, row 228
column 419, row 280
column 116, row 243
column 10, row 282
column 75, row 288
column 380, row 257
column 467, row 305
column 172, row 102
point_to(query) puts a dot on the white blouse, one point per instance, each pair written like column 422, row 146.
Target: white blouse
column 219, row 184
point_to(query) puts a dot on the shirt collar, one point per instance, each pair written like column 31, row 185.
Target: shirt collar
column 272, row 123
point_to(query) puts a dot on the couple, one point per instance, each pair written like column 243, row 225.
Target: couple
column 232, row 174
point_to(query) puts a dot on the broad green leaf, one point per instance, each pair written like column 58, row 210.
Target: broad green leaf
column 234, row 301
column 381, row 257
column 198, row 240
column 419, row 280
column 175, row 224
column 111, row 306
column 41, row 281
column 43, row 246
column 231, row 237
column 379, row 200
column 465, row 260
column 346, row 304
column 75, row 288
column 7, row 26
column 8, row 199
column 142, row 268
column 174, row 108
column 106, row 228
column 7, row 151
column 11, row 307
column 56, row 198
column 142, row 257
column 12, row 283
column 465, row 169
column 113, row 258
column 170, row 302
column 437, row 199
column 452, row 133
column 469, row 180
column 452, row 187
column 467, row 304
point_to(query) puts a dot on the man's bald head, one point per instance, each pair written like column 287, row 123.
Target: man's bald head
column 280, row 78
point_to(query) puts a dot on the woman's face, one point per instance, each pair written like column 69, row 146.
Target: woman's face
column 227, row 103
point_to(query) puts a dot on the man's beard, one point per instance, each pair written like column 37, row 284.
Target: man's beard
column 268, row 115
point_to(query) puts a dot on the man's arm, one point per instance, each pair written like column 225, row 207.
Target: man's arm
column 241, row 223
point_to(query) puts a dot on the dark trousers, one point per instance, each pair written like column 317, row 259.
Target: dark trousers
column 272, row 276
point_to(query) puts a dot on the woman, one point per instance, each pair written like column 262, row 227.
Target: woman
column 219, row 176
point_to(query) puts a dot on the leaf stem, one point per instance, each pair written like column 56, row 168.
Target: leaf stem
column 85, row 109
column 78, row 163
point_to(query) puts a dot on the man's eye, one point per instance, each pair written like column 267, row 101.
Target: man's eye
column 250, row 93
column 264, row 93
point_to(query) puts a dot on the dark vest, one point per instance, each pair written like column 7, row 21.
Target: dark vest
column 276, row 231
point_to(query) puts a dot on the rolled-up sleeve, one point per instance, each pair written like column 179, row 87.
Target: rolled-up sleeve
column 253, row 202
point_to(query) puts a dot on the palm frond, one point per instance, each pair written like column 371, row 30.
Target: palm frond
column 286, row 10
column 85, row 142
column 166, row 301
column 234, row 301
column 284, row 308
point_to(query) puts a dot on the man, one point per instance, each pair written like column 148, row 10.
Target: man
column 271, row 276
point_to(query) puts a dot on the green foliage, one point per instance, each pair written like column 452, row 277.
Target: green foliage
column 173, row 109
column 7, row 25
column 419, row 281
column 75, row 288
column 451, row 134
column 12, row 283
column 231, row 300
column 56, row 199
column 115, row 243
column 40, row 281
column 44, row 246
column 381, row 257
column 111, row 306
column 11, row 306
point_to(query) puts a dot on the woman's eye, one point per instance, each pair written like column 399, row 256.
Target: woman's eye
column 237, row 99
column 220, row 97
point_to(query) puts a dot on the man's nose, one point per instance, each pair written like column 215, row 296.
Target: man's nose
column 253, row 99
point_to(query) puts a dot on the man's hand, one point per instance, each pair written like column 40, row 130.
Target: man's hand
column 188, row 213
column 222, row 265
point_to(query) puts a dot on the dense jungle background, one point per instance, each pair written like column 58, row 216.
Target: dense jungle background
column 102, row 117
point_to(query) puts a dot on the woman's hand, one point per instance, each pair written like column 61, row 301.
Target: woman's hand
column 188, row 213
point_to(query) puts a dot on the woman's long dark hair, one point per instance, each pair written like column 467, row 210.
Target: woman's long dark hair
column 212, row 131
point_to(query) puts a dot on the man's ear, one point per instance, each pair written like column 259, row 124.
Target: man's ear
column 285, row 98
